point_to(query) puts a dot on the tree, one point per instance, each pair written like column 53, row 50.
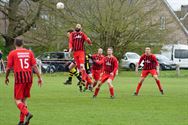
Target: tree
column 21, row 16
column 117, row 23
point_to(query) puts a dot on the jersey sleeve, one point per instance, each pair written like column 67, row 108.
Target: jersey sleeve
column 10, row 61
column 155, row 60
column 86, row 39
column 33, row 60
column 115, row 66
column 141, row 59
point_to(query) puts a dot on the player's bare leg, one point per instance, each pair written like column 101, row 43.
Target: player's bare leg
column 111, row 88
column 139, row 85
column 158, row 83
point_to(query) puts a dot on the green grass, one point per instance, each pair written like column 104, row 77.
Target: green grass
column 57, row 104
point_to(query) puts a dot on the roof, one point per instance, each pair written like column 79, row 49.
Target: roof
column 175, row 16
column 176, row 4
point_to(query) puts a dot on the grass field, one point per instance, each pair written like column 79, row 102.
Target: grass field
column 57, row 104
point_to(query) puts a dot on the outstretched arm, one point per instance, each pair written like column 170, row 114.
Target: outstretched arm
column 35, row 68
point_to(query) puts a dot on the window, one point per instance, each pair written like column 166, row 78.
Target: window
column 181, row 53
column 162, row 22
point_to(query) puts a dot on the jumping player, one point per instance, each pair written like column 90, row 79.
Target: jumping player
column 22, row 61
column 97, row 66
column 109, row 72
column 151, row 66
column 76, row 44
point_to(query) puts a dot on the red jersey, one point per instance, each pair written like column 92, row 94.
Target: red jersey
column 21, row 61
column 76, row 41
column 110, row 65
column 97, row 61
column 150, row 62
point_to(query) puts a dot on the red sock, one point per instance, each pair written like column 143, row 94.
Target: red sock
column 96, row 91
column 87, row 85
column 138, row 88
column 22, row 117
column 23, row 108
column 83, row 73
column 112, row 91
column 159, row 85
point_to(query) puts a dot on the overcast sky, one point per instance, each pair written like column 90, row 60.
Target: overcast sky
column 176, row 4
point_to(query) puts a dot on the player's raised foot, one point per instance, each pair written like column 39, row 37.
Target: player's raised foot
column 28, row 118
column 68, row 82
column 20, row 123
column 80, row 88
column 135, row 94
column 112, row 97
column 162, row 92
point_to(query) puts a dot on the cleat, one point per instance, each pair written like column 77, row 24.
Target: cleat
column 112, row 97
column 135, row 94
column 94, row 96
column 28, row 118
column 20, row 123
column 68, row 82
column 80, row 88
column 162, row 92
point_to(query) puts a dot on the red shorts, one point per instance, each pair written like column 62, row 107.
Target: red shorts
column 79, row 57
column 22, row 90
column 96, row 74
column 105, row 77
column 146, row 72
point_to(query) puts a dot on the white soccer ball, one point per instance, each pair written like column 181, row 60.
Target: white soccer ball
column 60, row 5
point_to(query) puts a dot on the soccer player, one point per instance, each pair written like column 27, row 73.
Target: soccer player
column 76, row 44
column 22, row 61
column 109, row 72
column 97, row 66
column 151, row 66
column 1, row 61
column 72, row 72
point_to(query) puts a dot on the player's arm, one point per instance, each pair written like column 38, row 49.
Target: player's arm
column 9, row 67
column 35, row 68
column 157, row 64
column 87, row 39
column 70, row 43
column 115, row 67
column 138, row 64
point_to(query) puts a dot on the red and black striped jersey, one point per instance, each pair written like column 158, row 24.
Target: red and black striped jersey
column 98, row 61
column 76, row 41
column 150, row 61
column 21, row 61
column 110, row 65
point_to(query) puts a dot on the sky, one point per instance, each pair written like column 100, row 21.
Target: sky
column 176, row 4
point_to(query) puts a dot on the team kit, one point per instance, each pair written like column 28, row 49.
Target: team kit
column 103, row 70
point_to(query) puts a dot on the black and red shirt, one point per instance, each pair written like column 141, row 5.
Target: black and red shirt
column 76, row 41
column 150, row 61
column 98, row 60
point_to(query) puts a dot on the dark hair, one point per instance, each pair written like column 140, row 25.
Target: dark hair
column 70, row 31
column 18, row 42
